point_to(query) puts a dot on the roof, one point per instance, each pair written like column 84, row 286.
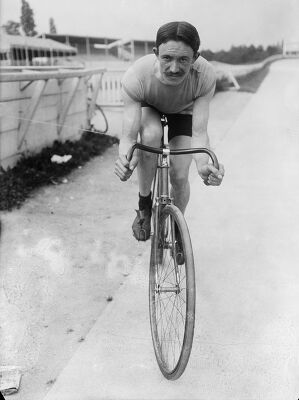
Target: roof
column 78, row 38
column 16, row 41
column 64, row 37
column 4, row 44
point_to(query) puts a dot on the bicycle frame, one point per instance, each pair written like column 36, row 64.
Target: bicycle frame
column 162, row 197
column 163, row 165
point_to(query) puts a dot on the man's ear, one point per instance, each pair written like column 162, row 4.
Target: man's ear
column 155, row 51
column 196, row 55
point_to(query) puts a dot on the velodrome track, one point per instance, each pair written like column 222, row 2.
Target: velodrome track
column 245, row 239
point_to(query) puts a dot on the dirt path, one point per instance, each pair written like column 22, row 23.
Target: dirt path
column 65, row 253
column 60, row 262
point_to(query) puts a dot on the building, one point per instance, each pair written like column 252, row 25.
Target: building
column 291, row 48
column 16, row 50
column 94, row 47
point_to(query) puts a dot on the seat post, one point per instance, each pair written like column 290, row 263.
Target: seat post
column 163, row 164
column 164, row 124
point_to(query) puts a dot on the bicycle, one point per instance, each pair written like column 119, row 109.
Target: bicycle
column 172, row 290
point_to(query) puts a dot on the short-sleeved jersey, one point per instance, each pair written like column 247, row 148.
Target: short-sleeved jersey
column 142, row 84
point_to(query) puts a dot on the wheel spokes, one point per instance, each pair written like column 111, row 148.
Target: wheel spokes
column 170, row 305
column 172, row 292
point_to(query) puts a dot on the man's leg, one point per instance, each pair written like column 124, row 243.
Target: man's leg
column 150, row 135
column 180, row 187
column 179, row 172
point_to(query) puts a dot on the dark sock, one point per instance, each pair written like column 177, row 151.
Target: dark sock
column 177, row 232
column 145, row 201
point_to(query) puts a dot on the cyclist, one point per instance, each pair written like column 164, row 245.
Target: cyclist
column 178, row 82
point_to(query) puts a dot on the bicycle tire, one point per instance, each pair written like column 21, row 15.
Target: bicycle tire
column 103, row 115
column 162, row 270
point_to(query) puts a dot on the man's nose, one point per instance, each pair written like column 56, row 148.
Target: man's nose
column 174, row 67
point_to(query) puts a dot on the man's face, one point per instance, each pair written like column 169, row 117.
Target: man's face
column 175, row 60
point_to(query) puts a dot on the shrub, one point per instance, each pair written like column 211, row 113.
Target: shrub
column 30, row 173
column 242, row 54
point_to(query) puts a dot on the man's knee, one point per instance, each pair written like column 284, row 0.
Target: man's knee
column 151, row 136
column 179, row 171
column 151, row 128
column 179, row 179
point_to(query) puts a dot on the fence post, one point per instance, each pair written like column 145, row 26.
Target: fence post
column 62, row 116
column 95, row 93
column 25, row 124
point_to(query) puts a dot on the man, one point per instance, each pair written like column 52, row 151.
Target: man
column 177, row 82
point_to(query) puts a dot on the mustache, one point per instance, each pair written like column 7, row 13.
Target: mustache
column 174, row 74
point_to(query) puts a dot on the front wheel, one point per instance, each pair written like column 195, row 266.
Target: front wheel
column 172, row 292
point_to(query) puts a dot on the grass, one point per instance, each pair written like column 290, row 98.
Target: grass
column 30, row 173
column 248, row 83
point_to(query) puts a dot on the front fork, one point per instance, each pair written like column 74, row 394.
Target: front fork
column 162, row 199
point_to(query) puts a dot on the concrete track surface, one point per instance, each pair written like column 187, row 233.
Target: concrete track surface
column 245, row 238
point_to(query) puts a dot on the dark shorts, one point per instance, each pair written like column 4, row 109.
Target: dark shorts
column 178, row 124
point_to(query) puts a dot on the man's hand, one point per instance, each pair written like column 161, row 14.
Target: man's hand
column 211, row 175
column 123, row 168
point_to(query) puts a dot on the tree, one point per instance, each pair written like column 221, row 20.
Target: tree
column 207, row 54
column 12, row 28
column 53, row 29
column 27, row 19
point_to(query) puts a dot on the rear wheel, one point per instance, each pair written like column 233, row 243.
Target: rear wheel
column 99, row 121
column 172, row 293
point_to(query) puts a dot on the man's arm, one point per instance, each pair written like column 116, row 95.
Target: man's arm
column 130, row 129
column 200, row 138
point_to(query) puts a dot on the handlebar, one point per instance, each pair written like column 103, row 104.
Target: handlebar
column 158, row 150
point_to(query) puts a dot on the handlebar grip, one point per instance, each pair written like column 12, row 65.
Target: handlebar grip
column 129, row 155
column 214, row 160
